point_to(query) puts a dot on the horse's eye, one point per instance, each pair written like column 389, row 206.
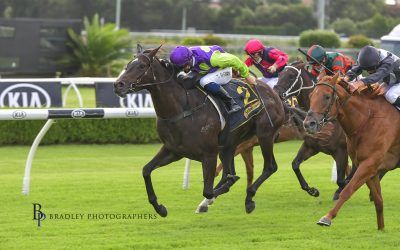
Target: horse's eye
column 327, row 97
column 142, row 66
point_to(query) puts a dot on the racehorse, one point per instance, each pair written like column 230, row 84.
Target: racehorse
column 372, row 126
column 188, row 126
column 295, row 80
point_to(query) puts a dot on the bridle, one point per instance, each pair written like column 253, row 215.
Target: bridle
column 289, row 91
column 137, row 83
column 334, row 98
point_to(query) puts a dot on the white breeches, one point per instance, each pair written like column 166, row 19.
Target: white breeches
column 222, row 76
column 393, row 93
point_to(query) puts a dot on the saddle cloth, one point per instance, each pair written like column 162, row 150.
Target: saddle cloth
column 246, row 97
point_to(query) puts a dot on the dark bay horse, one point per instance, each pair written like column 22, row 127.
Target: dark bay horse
column 372, row 126
column 188, row 126
column 295, row 80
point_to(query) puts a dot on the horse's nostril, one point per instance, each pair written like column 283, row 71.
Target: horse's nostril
column 312, row 124
column 119, row 84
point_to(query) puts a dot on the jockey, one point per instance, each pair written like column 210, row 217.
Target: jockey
column 269, row 61
column 334, row 61
column 383, row 67
column 215, row 68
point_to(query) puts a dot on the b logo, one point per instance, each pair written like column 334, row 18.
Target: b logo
column 37, row 213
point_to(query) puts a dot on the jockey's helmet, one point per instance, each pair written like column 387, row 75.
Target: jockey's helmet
column 368, row 58
column 181, row 55
column 254, row 46
column 317, row 52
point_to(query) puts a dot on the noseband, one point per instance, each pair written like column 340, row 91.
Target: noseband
column 289, row 91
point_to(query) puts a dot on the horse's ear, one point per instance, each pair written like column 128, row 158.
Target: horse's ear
column 336, row 78
column 139, row 49
column 153, row 53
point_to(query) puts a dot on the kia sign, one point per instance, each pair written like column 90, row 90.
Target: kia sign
column 30, row 95
column 105, row 97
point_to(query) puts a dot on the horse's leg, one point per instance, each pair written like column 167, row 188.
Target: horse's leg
column 208, row 164
column 342, row 161
column 303, row 154
column 375, row 189
column 363, row 172
column 247, row 156
column 163, row 157
column 270, row 167
column 244, row 148
column 227, row 180
column 229, row 174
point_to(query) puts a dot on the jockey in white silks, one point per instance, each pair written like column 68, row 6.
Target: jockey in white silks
column 268, row 60
column 383, row 67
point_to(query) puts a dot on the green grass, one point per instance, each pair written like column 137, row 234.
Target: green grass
column 107, row 179
column 88, row 97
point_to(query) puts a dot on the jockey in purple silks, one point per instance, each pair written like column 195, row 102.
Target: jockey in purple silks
column 214, row 66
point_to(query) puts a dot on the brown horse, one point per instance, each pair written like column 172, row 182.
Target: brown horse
column 189, row 126
column 372, row 126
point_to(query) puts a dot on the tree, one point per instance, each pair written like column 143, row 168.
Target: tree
column 101, row 51
column 356, row 10
column 345, row 26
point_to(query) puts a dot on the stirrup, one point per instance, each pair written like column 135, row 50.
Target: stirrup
column 234, row 108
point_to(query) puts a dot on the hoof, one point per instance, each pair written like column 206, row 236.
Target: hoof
column 250, row 206
column 313, row 192
column 324, row 222
column 336, row 196
column 162, row 211
column 201, row 209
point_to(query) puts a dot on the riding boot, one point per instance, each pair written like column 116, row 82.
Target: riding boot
column 218, row 91
column 397, row 103
column 228, row 100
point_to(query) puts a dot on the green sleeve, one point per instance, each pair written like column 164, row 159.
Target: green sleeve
column 225, row 60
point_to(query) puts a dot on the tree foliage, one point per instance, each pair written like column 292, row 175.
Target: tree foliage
column 283, row 17
column 100, row 49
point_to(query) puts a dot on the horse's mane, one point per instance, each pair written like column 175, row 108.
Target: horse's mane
column 366, row 93
column 297, row 62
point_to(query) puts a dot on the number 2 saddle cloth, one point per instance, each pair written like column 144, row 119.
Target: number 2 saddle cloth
column 245, row 96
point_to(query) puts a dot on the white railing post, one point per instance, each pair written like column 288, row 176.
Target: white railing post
column 31, row 155
column 186, row 173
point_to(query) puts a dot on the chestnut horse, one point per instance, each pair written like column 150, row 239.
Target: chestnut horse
column 189, row 126
column 372, row 126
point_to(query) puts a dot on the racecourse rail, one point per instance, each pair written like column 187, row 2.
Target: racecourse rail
column 78, row 113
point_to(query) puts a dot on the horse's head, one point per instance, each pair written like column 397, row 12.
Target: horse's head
column 323, row 101
column 138, row 73
column 289, row 81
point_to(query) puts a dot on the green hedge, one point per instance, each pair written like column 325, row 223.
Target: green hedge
column 327, row 39
column 214, row 40
column 192, row 41
column 80, row 131
column 359, row 41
